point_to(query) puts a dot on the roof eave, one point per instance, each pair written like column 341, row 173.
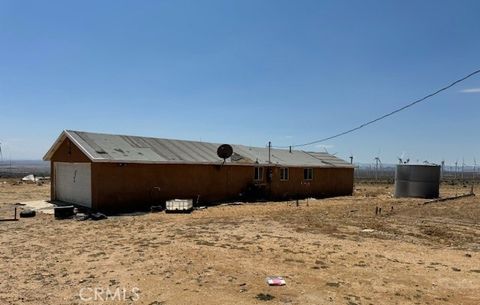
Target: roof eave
column 55, row 146
column 64, row 135
column 221, row 163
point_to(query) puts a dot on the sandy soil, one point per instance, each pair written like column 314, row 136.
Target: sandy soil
column 416, row 254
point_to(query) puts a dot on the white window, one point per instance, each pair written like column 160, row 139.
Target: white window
column 284, row 173
column 258, row 174
column 308, row 173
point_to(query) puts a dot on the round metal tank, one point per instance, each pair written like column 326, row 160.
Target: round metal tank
column 421, row 181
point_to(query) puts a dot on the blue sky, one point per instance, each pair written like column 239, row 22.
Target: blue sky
column 243, row 72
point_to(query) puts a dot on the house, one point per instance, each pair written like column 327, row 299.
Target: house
column 114, row 173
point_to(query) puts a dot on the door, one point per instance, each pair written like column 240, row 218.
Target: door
column 73, row 183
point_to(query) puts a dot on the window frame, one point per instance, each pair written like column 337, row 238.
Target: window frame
column 283, row 171
column 259, row 170
column 306, row 176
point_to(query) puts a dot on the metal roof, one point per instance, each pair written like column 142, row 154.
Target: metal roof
column 133, row 149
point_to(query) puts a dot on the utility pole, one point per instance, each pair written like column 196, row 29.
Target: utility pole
column 269, row 150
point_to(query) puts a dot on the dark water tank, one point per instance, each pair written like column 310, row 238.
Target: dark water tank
column 413, row 180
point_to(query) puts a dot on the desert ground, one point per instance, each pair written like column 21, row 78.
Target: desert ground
column 330, row 251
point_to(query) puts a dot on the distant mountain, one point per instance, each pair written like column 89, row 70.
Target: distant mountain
column 20, row 168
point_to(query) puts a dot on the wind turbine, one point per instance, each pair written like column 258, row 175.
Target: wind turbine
column 333, row 154
column 474, row 169
column 456, row 168
column 442, row 168
column 378, row 163
column 402, row 160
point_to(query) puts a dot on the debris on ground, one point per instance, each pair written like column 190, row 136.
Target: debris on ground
column 449, row 198
column 264, row 297
column 179, row 205
column 27, row 213
column 275, row 281
column 29, row 178
column 14, row 216
column 64, row 212
column 34, row 179
column 368, row 230
column 156, row 208
column 98, row 216
column 81, row 216
column 333, row 284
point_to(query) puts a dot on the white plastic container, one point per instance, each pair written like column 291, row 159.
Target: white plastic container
column 179, row 205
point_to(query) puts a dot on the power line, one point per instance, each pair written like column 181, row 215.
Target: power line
column 386, row 115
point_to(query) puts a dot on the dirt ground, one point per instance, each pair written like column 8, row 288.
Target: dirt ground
column 331, row 251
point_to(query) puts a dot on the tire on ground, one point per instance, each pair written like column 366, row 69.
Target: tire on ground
column 27, row 213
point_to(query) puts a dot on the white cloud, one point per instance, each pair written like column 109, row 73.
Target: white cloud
column 471, row 90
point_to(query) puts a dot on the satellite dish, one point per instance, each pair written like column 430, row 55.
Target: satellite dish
column 224, row 151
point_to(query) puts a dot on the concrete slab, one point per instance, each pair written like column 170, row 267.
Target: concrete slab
column 39, row 206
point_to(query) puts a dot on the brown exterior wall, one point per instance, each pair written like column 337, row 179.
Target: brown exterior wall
column 136, row 186
column 131, row 186
column 326, row 182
